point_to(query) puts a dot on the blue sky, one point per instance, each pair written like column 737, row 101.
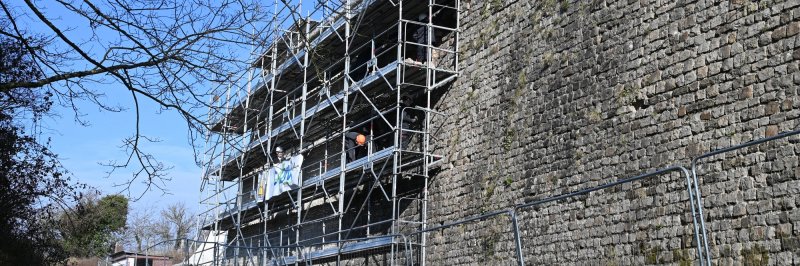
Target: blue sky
column 82, row 148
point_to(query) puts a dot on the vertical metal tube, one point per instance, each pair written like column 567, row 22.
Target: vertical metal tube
column 244, row 141
column 400, row 46
column 396, row 127
column 204, row 177
column 302, row 128
column 345, row 100
column 268, row 127
column 238, row 205
column 699, row 207
column 457, row 33
column 700, row 256
column 271, row 95
column 219, row 185
column 429, row 74
column 517, row 239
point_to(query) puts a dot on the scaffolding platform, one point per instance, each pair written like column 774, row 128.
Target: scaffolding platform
column 328, row 253
column 356, row 164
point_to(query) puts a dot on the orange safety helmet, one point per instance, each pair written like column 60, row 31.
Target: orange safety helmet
column 361, row 139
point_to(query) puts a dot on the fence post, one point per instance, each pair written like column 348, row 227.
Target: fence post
column 695, row 220
column 186, row 250
column 696, row 182
column 517, row 239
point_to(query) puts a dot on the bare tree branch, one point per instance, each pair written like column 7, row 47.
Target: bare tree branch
column 80, row 74
column 169, row 52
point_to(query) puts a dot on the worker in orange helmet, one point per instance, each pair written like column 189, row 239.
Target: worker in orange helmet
column 353, row 140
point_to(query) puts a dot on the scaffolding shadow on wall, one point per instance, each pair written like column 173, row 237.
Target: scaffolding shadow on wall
column 345, row 90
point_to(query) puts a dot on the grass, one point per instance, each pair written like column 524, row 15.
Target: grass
column 508, row 139
column 653, row 255
column 564, row 6
column 627, row 94
column 757, row 255
column 594, row 115
column 508, row 181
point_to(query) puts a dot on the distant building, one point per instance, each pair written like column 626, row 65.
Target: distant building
column 123, row 258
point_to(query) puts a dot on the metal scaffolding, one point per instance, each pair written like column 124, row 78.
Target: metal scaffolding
column 346, row 90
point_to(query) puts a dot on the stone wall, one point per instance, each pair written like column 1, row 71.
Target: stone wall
column 559, row 95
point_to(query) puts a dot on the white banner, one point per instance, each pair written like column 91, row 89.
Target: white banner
column 282, row 177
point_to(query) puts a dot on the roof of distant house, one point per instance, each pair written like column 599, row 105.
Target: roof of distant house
column 124, row 255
